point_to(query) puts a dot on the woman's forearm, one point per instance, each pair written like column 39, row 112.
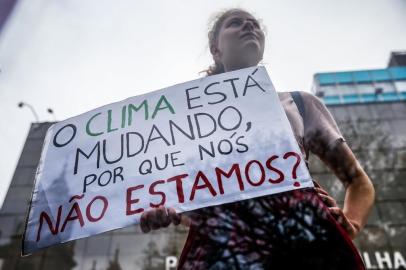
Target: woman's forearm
column 360, row 193
column 359, row 198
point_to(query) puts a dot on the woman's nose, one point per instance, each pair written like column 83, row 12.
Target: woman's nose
column 248, row 25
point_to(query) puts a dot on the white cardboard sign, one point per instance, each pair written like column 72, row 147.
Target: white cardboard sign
column 205, row 142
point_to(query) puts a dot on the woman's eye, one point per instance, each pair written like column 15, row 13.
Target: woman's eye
column 235, row 23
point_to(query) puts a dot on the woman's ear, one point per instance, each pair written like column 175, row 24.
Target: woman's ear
column 215, row 52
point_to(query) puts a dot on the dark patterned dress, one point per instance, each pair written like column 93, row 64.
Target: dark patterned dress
column 289, row 230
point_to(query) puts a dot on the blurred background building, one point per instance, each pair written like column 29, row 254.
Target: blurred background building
column 364, row 86
column 368, row 105
column 370, row 109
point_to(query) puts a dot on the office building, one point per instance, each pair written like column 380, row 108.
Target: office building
column 370, row 109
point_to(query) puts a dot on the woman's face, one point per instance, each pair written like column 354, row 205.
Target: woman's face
column 240, row 42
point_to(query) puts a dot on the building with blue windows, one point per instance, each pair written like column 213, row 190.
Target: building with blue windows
column 369, row 107
column 363, row 86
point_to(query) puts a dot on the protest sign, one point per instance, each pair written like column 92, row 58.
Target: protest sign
column 205, row 142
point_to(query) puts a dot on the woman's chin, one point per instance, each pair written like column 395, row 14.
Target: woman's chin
column 251, row 53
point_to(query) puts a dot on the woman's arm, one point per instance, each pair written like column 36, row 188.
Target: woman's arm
column 359, row 191
column 323, row 138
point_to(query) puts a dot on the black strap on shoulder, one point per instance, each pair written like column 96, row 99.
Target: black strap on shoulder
column 298, row 99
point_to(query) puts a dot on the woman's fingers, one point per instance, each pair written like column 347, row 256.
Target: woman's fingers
column 186, row 220
column 162, row 216
column 177, row 219
column 157, row 218
column 337, row 212
column 152, row 219
column 174, row 217
column 144, row 223
column 344, row 221
column 316, row 184
column 328, row 200
column 321, row 190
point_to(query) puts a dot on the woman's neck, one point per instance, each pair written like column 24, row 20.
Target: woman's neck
column 236, row 66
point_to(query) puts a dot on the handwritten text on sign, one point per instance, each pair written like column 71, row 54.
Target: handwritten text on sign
column 205, row 142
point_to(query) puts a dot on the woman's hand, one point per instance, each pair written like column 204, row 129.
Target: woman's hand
column 161, row 217
column 359, row 190
column 351, row 227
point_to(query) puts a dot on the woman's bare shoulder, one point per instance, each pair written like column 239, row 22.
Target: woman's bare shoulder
column 283, row 95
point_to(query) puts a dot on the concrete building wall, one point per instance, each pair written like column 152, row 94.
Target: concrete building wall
column 376, row 132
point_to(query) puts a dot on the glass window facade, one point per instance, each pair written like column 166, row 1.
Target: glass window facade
column 329, row 90
column 385, row 86
column 363, row 86
column 344, row 77
column 332, row 99
column 326, row 78
column 362, row 77
column 390, row 96
column 351, row 98
column 369, row 98
column 400, row 86
column 346, row 89
column 380, row 75
column 398, row 73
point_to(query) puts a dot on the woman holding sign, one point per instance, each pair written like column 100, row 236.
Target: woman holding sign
column 304, row 228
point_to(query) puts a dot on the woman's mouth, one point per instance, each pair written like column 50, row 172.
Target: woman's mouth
column 249, row 35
